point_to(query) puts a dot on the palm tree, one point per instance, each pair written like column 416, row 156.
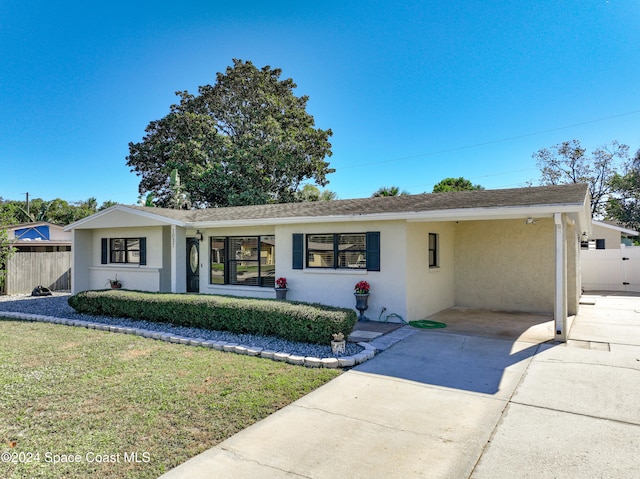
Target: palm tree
column 389, row 191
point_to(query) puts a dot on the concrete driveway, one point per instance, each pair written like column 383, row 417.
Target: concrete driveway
column 451, row 405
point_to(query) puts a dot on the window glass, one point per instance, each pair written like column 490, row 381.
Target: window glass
column 250, row 260
column 243, row 263
column 193, row 259
column 268, row 261
column 352, row 251
column 243, row 248
column 125, row 250
column 217, row 260
column 320, row 252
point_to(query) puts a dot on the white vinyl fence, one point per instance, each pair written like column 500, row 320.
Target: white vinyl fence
column 611, row 269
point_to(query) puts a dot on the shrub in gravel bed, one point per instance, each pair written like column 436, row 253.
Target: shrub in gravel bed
column 311, row 323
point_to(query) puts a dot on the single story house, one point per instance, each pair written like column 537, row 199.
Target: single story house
column 42, row 258
column 39, row 237
column 512, row 249
column 608, row 235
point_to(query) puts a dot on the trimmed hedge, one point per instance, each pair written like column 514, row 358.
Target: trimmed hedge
column 310, row 323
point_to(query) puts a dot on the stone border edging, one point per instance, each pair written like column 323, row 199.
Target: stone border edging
column 308, row 361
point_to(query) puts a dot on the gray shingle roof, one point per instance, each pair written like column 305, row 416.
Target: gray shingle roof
column 573, row 194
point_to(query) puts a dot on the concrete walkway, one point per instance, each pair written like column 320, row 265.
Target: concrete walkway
column 447, row 405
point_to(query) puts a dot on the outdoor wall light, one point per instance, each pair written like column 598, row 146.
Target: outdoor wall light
column 530, row 221
column 199, row 235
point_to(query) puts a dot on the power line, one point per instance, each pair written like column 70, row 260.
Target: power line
column 476, row 145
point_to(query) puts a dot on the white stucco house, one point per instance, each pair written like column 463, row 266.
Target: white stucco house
column 608, row 235
column 512, row 249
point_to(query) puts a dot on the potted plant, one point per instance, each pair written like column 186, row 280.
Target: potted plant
column 338, row 343
column 281, row 288
column 362, row 299
column 115, row 283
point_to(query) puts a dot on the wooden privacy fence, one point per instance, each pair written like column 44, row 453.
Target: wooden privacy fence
column 25, row 271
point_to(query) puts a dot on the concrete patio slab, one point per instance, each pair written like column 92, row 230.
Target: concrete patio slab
column 574, row 380
column 535, row 443
column 532, row 328
column 467, row 363
column 359, row 336
column 613, row 318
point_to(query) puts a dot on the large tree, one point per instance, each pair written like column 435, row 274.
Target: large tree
column 245, row 140
column 569, row 162
column 455, row 184
column 624, row 204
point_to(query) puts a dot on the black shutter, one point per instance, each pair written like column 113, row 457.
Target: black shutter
column 143, row 251
column 373, row 251
column 105, row 251
column 298, row 251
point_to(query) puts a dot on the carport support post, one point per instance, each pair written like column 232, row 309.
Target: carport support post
column 560, row 306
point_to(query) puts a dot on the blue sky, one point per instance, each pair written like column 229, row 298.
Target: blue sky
column 414, row 91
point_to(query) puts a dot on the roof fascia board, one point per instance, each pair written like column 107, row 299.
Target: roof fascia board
column 437, row 215
column 40, row 242
column 616, row 228
column 133, row 211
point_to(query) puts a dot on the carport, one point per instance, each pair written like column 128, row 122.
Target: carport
column 508, row 325
column 496, row 264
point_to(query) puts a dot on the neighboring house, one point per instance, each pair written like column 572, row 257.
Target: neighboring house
column 608, row 235
column 515, row 249
column 42, row 257
column 609, row 261
column 39, row 237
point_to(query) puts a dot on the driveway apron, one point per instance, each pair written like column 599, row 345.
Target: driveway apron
column 424, row 408
column 443, row 405
column 577, row 412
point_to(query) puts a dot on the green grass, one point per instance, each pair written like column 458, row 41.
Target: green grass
column 68, row 392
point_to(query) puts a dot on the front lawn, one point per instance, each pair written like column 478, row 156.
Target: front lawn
column 79, row 403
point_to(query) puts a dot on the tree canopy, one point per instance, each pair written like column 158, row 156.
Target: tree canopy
column 245, row 140
column 6, row 249
column 313, row 193
column 624, row 203
column 455, row 184
column 389, row 191
column 569, row 162
column 55, row 211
